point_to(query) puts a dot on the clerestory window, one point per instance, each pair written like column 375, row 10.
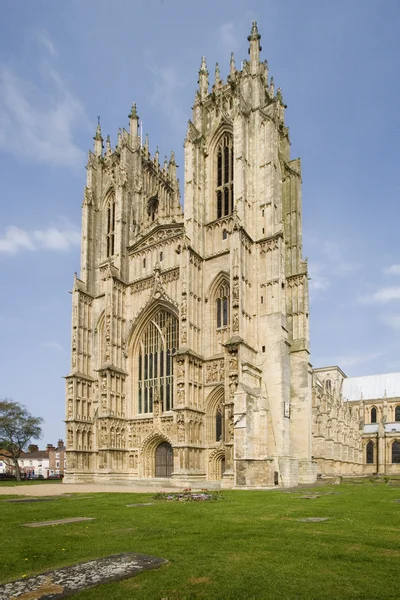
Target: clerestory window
column 397, row 413
column 222, row 304
column 155, row 377
column 110, row 227
column 224, row 178
column 373, row 415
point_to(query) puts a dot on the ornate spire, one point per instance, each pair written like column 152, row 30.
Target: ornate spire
column 232, row 68
column 157, row 156
column 146, row 143
column 203, row 78
column 98, row 140
column 255, row 48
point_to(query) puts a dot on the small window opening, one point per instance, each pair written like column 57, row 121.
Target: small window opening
column 262, row 348
column 144, row 263
column 263, row 229
column 262, row 299
column 262, row 212
column 373, row 415
column 224, row 234
column 161, row 256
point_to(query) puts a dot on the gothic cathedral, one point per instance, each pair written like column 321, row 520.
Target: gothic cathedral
column 190, row 333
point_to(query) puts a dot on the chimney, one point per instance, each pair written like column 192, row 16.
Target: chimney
column 60, row 443
column 33, row 448
column 49, row 447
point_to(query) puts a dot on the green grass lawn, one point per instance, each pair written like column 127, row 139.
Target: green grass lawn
column 249, row 545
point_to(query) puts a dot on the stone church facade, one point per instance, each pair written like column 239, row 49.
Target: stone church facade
column 190, row 329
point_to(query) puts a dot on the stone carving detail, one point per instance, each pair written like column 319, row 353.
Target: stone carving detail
column 70, row 408
column 180, row 420
column 180, row 368
column 233, row 361
column 183, row 334
column 169, row 276
column 233, row 383
column 235, row 294
column 180, row 393
column 142, row 285
column 269, row 245
column 159, row 236
column 133, row 460
column 215, row 371
column 235, row 321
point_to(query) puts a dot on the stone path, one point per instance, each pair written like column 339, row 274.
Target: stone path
column 58, row 489
column 57, row 522
column 64, row 582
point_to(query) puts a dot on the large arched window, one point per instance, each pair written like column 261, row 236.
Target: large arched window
column 224, row 176
column 370, row 453
column 110, row 217
column 156, row 347
column 396, row 452
column 373, row 414
column 222, row 305
column 397, row 413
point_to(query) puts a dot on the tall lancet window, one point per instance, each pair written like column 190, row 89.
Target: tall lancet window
column 222, row 305
column 110, row 216
column 155, row 377
column 224, row 179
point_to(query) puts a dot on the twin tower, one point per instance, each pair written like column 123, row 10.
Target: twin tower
column 190, row 334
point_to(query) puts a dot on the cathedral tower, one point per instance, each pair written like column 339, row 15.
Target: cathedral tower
column 190, row 343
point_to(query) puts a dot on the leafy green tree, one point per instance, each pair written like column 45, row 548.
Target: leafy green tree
column 17, row 428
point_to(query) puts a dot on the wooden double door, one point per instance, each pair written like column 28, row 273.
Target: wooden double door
column 164, row 460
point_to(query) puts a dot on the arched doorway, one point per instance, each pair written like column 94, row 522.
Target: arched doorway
column 164, row 460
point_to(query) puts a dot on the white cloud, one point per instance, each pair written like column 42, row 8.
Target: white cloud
column 166, row 94
column 392, row 320
column 392, row 270
column 44, row 39
column 54, row 346
column 227, row 37
column 61, row 238
column 38, row 114
column 382, row 296
column 352, row 360
column 318, row 281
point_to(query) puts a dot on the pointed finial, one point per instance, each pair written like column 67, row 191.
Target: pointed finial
column 98, row 140
column 272, row 87
column 217, row 75
column 254, row 35
column 146, row 142
column 279, row 95
column 203, row 78
column 172, row 166
column 156, row 156
column 165, row 166
column 108, row 145
column 203, row 66
column 133, row 114
column 172, row 159
column 232, row 68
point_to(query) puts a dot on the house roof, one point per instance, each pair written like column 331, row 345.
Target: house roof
column 36, row 454
column 371, row 387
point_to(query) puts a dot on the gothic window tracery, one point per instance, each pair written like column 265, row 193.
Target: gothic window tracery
column 110, row 216
column 222, row 305
column 224, row 176
column 373, row 414
column 397, row 413
column 155, row 374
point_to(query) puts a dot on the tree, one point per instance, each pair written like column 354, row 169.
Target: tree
column 17, row 428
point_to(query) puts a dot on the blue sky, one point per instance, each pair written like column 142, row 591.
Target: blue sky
column 64, row 63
